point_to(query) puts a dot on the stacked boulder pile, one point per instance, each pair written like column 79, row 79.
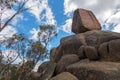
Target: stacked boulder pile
column 90, row 54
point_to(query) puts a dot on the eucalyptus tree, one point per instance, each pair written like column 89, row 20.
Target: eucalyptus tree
column 27, row 51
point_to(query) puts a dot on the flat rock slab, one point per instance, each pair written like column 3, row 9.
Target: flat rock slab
column 95, row 70
column 84, row 20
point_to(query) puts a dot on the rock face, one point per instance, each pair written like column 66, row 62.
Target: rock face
column 95, row 37
column 52, row 54
column 71, row 44
column 81, row 52
column 90, row 54
column 110, row 51
column 65, row 61
column 84, row 20
column 64, row 76
column 95, row 70
column 46, row 70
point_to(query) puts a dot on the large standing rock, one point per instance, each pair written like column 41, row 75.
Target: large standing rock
column 84, row 20
column 64, row 76
column 46, row 70
column 95, row 70
column 65, row 61
column 110, row 51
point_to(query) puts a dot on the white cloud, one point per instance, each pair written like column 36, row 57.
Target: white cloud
column 98, row 7
column 117, row 28
column 34, row 33
column 114, row 20
column 67, row 26
column 7, row 32
column 43, row 13
column 37, row 7
column 16, row 19
column 7, row 13
column 49, row 16
column 102, row 9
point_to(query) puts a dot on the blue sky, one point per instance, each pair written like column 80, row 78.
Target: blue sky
column 60, row 13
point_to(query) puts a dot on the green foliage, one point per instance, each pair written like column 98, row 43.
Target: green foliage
column 47, row 27
column 38, row 47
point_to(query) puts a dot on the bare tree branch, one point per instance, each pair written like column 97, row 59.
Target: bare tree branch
column 20, row 9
